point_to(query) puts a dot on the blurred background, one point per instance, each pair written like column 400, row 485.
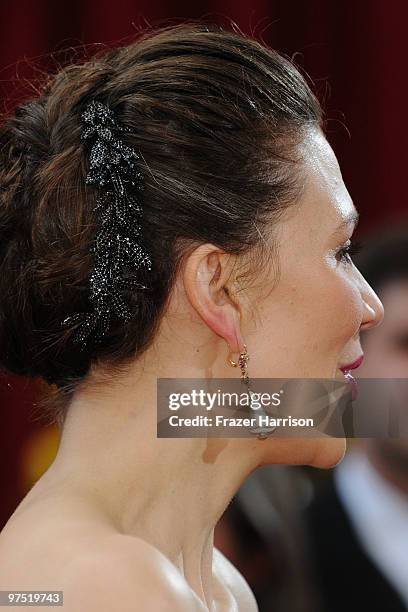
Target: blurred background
column 305, row 539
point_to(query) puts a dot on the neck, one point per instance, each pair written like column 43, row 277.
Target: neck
column 169, row 492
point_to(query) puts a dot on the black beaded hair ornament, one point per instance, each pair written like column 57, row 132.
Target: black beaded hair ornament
column 117, row 247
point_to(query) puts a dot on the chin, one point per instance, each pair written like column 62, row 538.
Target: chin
column 320, row 452
column 328, row 452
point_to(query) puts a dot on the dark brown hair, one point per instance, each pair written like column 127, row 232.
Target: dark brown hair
column 216, row 117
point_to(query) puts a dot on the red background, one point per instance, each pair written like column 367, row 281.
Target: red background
column 355, row 53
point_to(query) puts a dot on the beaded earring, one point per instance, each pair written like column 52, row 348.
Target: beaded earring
column 261, row 432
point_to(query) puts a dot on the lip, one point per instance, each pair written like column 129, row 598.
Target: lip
column 352, row 366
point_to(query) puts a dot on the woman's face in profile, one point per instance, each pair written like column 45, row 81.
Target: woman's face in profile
column 312, row 318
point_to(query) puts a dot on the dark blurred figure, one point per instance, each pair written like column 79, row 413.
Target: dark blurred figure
column 358, row 521
column 260, row 532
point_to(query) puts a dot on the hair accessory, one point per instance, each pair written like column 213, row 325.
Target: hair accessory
column 261, row 432
column 118, row 254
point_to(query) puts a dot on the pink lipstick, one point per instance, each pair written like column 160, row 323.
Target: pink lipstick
column 346, row 369
column 352, row 366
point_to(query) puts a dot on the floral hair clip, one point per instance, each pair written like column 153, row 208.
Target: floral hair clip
column 117, row 249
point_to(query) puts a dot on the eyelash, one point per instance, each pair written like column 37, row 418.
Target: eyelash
column 352, row 249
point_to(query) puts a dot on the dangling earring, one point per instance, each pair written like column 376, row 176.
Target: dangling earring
column 242, row 363
column 260, row 432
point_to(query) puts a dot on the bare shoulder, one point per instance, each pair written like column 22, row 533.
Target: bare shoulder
column 235, row 582
column 125, row 574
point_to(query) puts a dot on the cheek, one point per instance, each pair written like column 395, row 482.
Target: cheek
column 309, row 315
column 344, row 310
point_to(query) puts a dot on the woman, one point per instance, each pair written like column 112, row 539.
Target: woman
column 243, row 249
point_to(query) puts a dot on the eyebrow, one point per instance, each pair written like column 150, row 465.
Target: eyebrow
column 353, row 217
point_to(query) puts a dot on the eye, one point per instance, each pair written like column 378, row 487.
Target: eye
column 350, row 249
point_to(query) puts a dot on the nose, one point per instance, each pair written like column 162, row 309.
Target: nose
column 373, row 307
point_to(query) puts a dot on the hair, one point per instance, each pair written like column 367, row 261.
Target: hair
column 217, row 118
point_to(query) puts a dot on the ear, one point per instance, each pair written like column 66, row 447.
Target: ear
column 206, row 281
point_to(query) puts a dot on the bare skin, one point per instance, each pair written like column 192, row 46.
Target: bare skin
column 144, row 508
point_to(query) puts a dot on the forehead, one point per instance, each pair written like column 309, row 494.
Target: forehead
column 324, row 182
column 324, row 202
